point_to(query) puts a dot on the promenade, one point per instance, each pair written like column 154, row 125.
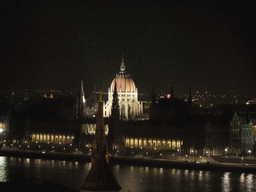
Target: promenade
column 213, row 163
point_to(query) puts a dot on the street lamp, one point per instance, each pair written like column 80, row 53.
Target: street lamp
column 249, row 151
column 242, row 160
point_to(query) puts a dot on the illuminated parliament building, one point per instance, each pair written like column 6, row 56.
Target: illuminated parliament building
column 129, row 106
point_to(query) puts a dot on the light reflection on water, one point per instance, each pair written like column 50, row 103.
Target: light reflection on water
column 130, row 178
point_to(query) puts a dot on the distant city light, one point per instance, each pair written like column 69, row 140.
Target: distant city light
column 168, row 96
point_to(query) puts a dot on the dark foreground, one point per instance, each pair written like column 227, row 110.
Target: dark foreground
column 141, row 162
column 32, row 187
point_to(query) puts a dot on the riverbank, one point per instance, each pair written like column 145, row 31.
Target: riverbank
column 47, row 155
column 185, row 165
column 151, row 162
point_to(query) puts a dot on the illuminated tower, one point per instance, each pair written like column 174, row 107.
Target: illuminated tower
column 100, row 177
column 99, row 143
column 80, row 106
column 127, row 93
column 115, row 106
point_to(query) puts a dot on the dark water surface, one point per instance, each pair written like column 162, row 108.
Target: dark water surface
column 130, row 178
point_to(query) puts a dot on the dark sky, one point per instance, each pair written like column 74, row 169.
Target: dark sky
column 53, row 44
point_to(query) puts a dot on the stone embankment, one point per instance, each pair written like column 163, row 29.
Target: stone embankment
column 215, row 163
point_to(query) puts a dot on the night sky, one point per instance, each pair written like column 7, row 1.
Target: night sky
column 53, row 44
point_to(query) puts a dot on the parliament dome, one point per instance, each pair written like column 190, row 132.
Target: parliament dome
column 123, row 83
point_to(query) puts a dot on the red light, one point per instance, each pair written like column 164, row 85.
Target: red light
column 168, row 96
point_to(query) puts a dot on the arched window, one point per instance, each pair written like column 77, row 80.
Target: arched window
column 91, row 129
column 169, row 144
column 145, row 143
column 106, row 129
column 140, row 142
column 127, row 142
column 94, row 129
column 33, row 137
column 37, row 137
column 173, row 145
column 163, row 144
column 178, row 144
column 154, row 143
column 158, row 144
column 136, row 143
column 150, row 144
column 64, row 139
column 131, row 142
column 86, row 129
column 68, row 139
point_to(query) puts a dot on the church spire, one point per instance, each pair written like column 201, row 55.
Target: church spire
column 100, row 176
column 81, row 102
column 115, row 108
column 99, row 142
column 82, row 87
column 122, row 67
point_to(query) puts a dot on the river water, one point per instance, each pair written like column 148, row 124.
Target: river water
column 130, row 178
